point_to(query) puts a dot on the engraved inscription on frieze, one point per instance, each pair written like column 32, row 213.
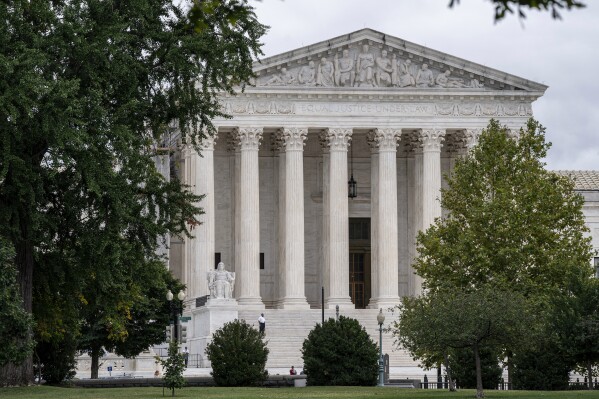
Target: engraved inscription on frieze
column 366, row 66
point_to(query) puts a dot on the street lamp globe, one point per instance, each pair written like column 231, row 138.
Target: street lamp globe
column 180, row 295
column 380, row 318
column 169, row 296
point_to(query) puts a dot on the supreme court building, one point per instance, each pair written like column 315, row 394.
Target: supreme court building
column 391, row 116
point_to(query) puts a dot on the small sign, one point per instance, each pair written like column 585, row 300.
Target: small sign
column 184, row 319
column 109, row 368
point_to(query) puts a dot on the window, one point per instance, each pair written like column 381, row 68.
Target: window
column 261, row 260
column 216, row 259
column 359, row 229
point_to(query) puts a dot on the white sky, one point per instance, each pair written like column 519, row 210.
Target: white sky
column 562, row 54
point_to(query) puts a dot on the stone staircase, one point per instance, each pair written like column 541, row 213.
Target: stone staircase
column 286, row 331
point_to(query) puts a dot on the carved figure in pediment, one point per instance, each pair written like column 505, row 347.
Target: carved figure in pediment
column 344, row 70
column 384, row 70
column 365, row 68
column 326, row 73
column 406, row 78
column 425, row 77
column 475, row 84
column 307, row 74
column 284, row 78
column 445, row 80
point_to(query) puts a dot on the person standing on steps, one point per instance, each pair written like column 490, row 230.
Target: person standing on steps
column 262, row 323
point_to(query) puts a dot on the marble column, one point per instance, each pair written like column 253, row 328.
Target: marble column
column 188, row 276
column 338, row 229
column 387, row 225
column 204, row 232
column 431, row 140
column 236, row 148
column 279, row 149
column 294, row 298
column 374, row 208
column 249, row 219
column 326, row 269
column 415, row 282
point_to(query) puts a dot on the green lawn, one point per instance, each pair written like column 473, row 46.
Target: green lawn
column 283, row 393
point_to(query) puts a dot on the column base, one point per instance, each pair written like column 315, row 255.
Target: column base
column 293, row 303
column 251, row 303
column 383, row 303
column 344, row 303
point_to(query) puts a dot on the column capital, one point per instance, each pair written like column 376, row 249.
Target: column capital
column 431, row 139
column 471, row 137
column 249, row 137
column 278, row 142
column 207, row 142
column 337, row 139
column 384, row 139
column 294, row 138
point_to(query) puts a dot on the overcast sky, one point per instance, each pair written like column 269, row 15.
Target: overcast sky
column 563, row 55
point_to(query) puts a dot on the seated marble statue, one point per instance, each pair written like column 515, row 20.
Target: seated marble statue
column 425, row 77
column 307, row 74
column 221, row 283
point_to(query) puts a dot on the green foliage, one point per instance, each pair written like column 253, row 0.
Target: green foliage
column 510, row 222
column 173, row 365
column 56, row 359
column 543, row 365
column 88, row 88
column 432, row 327
column 15, row 323
column 464, row 370
column 503, row 7
column 340, row 353
column 575, row 320
column 238, row 355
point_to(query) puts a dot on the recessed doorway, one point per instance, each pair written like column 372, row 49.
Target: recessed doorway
column 359, row 261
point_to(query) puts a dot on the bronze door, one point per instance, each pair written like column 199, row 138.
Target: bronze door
column 357, row 279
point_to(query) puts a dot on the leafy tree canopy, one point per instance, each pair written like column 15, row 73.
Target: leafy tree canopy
column 88, row 89
column 510, row 222
column 504, row 7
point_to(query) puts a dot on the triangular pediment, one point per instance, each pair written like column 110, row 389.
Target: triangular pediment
column 367, row 59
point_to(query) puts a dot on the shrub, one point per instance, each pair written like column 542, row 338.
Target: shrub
column 340, row 353
column 238, row 355
column 543, row 366
column 173, row 365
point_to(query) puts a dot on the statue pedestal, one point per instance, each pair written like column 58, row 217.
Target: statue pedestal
column 206, row 320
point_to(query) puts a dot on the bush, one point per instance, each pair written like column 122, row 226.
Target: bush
column 174, row 365
column 340, row 353
column 544, row 367
column 238, row 355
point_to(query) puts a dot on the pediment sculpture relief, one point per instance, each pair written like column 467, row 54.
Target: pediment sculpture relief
column 367, row 68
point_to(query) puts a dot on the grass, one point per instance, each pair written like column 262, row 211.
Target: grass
column 43, row 392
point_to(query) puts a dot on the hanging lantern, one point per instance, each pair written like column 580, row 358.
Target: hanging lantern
column 352, row 189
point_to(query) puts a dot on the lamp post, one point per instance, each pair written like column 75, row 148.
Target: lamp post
column 175, row 311
column 380, row 318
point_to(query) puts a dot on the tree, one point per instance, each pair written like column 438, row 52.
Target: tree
column 486, row 318
column 510, row 222
column 340, row 353
column 174, row 365
column 576, row 321
column 15, row 323
column 87, row 88
column 238, row 355
column 503, row 7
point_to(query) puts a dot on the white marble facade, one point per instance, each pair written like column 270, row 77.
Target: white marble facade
column 394, row 113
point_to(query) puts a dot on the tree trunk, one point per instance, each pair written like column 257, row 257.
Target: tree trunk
column 590, row 374
column 22, row 374
column 479, row 377
column 95, row 355
column 450, row 381
column 510, row 367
